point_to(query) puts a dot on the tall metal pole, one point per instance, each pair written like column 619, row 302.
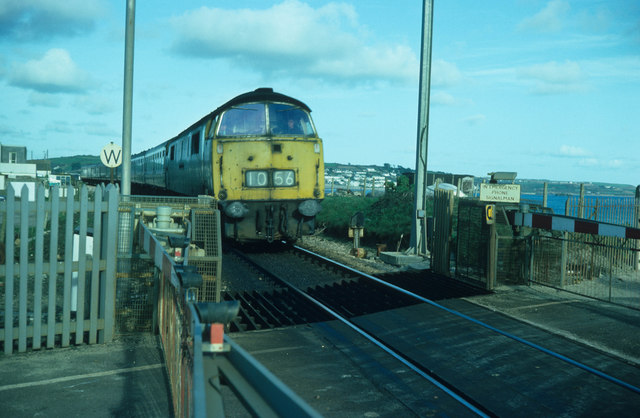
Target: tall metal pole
column 125, row 186
column 419, row 227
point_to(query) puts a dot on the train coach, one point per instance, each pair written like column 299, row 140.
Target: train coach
column 259, row 154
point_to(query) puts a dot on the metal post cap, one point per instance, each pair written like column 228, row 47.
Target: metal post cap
column 217, row 313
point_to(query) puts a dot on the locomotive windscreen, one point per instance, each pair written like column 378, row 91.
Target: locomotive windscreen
column 258, row 119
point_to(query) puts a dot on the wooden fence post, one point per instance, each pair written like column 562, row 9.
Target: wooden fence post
column 109, row 250
column 54, row 197
column 38, row 259
column 581, row 202
column 9, row 270
column 68, row 268
column 636, row 224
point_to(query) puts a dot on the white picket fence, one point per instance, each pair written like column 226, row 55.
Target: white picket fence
column 57, row 267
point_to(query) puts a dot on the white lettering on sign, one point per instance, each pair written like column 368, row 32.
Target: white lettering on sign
column 111, row 155
column 490, row 192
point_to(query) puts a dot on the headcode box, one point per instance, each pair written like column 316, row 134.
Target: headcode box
column 491, row 192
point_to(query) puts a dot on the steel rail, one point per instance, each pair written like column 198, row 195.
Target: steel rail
column 552, row 353
column 457, row 395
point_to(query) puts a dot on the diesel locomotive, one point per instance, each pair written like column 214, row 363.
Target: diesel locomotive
column 258, row 154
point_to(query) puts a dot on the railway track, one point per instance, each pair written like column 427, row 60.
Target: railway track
column 489, row 364
column 266, row 283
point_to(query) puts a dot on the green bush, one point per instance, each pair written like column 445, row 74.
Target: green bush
column 387, row 218
column 337, row 212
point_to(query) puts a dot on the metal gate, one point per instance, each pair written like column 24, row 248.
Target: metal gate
column 443, row 201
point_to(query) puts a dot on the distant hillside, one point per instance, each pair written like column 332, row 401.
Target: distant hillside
column 73, row 164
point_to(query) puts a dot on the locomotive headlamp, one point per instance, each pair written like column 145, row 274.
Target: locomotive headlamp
column 309, row 208
column 236, row 210
column 222, row 195
column 219, row 148
column 316, row 148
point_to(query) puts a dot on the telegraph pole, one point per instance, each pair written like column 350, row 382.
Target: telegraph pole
column 125, row 186
column 419, row 227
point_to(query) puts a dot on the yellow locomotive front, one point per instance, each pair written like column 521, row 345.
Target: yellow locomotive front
column 267, row 167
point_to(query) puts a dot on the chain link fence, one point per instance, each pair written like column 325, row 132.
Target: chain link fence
column 137, row 277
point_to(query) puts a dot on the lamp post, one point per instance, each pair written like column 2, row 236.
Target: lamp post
column 128, row 98
column 419, row 227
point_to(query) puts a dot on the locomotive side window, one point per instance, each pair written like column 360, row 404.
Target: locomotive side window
column 245, row 120
column 195, row 143
column 172, row 153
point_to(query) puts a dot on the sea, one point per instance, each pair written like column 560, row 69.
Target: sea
column 556, row 203
column 612, row 209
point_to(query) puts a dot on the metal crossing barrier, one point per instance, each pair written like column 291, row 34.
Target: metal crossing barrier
column 197, row 353
column 570, row 224
column 590, row 258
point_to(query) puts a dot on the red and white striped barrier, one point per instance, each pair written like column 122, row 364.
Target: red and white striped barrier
column 569, row 224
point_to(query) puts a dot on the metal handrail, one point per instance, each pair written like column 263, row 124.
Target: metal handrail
column 262, row 393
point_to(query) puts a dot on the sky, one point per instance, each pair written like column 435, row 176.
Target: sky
column 548, row 89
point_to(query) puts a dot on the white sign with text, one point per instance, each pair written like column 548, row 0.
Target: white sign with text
column 491, row 192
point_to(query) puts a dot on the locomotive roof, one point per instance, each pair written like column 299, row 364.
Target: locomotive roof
column 260, row 95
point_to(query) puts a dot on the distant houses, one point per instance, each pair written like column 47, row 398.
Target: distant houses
column 368, row 180
column 16, row 170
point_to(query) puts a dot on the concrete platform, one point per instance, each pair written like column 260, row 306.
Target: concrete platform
column 399, row 259
column 340, row 375
column 338, row 378
column 125, row 378
column 513, row 379
column 614, row 329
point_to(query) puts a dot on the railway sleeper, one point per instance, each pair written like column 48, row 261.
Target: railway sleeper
column 246, row 313
column 277, row 311
column 278, row 318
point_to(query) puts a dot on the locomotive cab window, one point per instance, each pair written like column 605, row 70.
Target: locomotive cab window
column 289, row 120
column 259, row 119
column 245, row 120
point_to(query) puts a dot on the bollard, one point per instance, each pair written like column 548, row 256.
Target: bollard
column 356, row 231
column 163, row 219
column 216, row 315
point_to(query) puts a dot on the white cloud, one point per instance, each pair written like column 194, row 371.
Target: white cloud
column 553, row 77
column 571, row 151
column 442, row 98
column 549, row 19
column 55, row 72
column 445, row 74
column 294, row 39
column 589, row 162
column 580, row 158
column 474, row 119
column 27, row 20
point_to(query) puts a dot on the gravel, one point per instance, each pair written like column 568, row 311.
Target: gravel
column 341, row 251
